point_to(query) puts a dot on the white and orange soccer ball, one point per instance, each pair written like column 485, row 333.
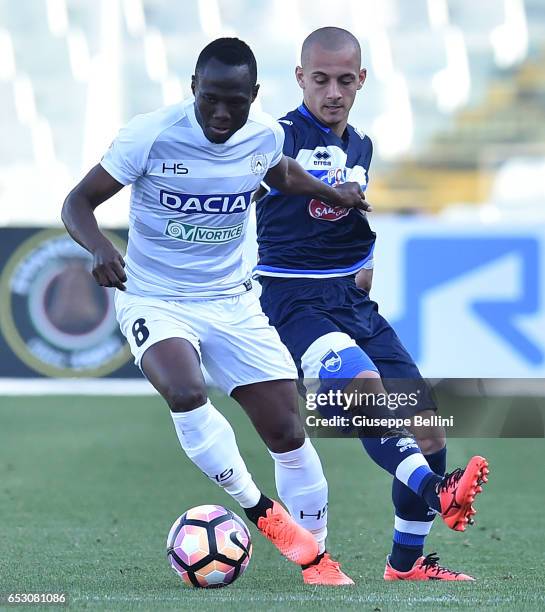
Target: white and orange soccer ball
column 209, row 546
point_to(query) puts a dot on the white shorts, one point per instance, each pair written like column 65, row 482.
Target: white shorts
column 231, row 335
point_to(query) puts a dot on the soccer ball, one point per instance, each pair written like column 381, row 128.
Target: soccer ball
column 209, row 546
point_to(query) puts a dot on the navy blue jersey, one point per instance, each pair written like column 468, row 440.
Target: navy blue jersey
column 302, row 237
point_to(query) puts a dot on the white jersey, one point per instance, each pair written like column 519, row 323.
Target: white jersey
column 190, row 200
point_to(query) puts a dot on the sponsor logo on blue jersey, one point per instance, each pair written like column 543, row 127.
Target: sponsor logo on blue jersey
column 331, row 361
column 215, row 204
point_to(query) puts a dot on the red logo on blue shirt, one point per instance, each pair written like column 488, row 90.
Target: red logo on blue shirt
column 322, row 211
column 325, row 212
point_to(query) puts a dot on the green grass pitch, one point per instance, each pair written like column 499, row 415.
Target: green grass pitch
column 90, row 486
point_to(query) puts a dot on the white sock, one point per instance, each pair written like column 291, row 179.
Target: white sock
column 209, row 441
column 302, row 487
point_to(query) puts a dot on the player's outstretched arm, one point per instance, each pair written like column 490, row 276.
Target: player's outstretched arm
column 79, row 219
column 290, row 178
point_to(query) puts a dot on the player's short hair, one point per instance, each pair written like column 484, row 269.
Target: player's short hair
column 231, row 52
column 331, row 39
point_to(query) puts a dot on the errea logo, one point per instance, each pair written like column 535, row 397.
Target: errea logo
column 322, row 157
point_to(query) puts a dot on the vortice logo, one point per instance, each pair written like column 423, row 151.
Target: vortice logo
column 198, row 233
column 206, row 204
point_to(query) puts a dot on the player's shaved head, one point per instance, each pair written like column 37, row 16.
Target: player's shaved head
column 330, row 75
column 329, row 39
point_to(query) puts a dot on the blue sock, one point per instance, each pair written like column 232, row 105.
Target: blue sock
column 438, row 461
column 402, row 457
column 413, row 518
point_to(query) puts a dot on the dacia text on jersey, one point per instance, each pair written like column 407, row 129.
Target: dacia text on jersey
column 226, row 204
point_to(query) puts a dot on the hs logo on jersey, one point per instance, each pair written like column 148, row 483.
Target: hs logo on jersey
column 173, row 167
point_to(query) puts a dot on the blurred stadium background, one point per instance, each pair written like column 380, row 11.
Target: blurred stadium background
column 454, row 102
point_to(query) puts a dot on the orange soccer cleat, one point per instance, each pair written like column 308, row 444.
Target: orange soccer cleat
column 457, row 492
column 293, row 541
column 424, row 568
column 326, row 572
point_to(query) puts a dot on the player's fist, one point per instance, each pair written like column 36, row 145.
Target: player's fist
column 108, row 266
column 350, row 195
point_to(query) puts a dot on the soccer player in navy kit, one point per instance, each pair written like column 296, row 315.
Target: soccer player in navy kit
column 309, row 255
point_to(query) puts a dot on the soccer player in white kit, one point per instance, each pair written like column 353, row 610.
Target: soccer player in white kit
column 184, row 295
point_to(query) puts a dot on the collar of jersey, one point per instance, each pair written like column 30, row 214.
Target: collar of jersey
column 306, row 113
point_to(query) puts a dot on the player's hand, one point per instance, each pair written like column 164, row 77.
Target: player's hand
column 350, row 195
column 108, row 267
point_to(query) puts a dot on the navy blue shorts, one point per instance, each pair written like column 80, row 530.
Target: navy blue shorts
column 324, row 322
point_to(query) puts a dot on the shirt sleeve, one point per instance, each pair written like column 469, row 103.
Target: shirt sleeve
column 279, row 144
column 289, row 137
column 126, row 158
column 369, row 155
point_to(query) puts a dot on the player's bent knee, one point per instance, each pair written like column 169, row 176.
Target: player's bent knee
column 431, row 445
column 284, row 437
column 333, row 360
column 432, row 438
column 367, row 381
column 368, row 374
column 185, row 399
